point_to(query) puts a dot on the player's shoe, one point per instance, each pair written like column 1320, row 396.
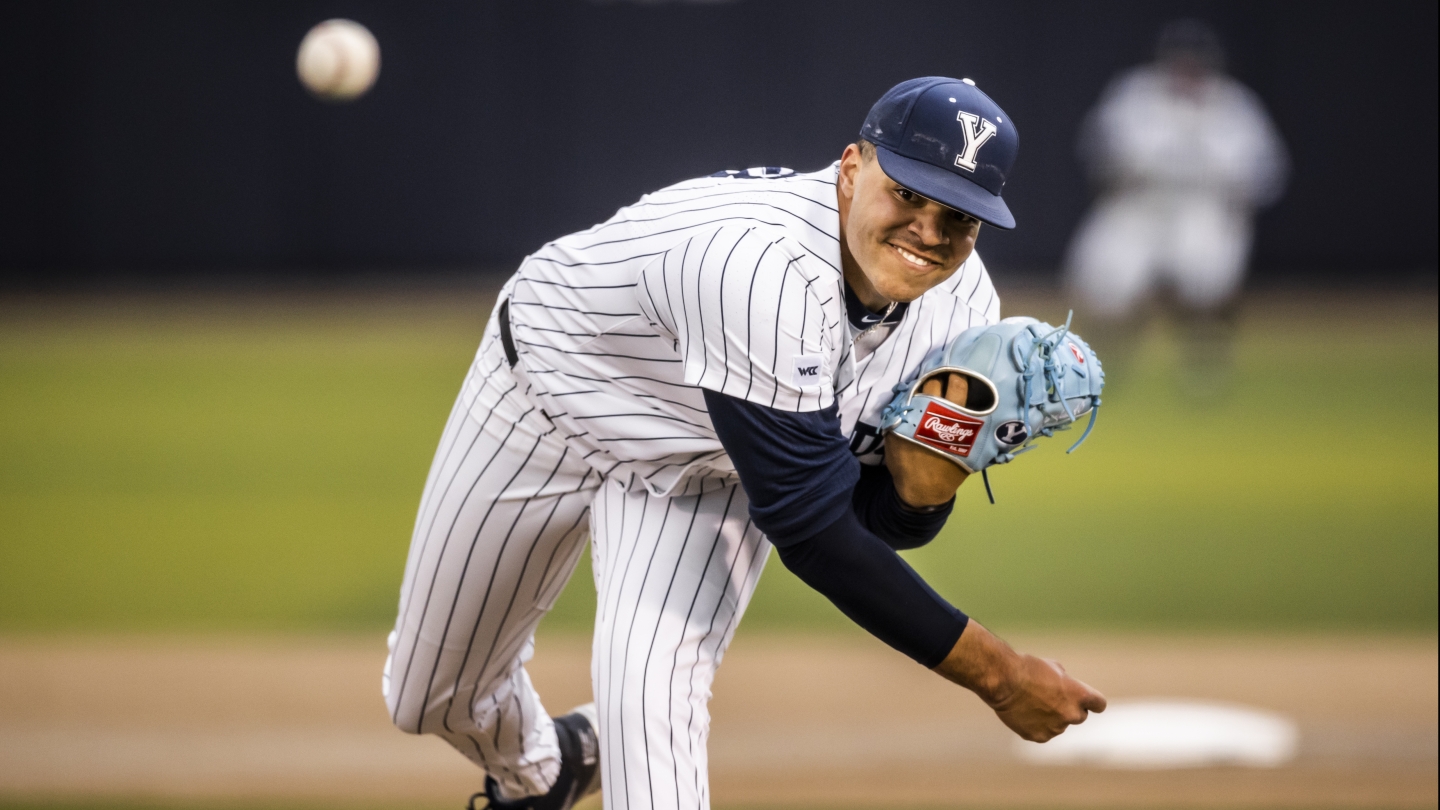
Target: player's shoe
column 579, row 767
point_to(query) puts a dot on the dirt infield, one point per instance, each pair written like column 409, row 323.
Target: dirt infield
column 800, row 721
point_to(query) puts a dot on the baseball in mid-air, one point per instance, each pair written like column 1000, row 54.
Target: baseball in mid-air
column 338, row 60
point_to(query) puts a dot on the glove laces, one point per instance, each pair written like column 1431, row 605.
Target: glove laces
column 1043, row 348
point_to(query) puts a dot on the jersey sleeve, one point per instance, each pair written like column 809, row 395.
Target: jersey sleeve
column 750, row 314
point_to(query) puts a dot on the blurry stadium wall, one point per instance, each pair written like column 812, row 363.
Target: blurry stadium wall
column 165, row 139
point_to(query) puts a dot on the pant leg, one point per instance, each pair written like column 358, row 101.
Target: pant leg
column 500, row 528
column 1208, row 252
column 1110, row 264
column 673, row 576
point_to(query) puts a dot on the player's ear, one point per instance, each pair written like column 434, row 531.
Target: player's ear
column 850, row 161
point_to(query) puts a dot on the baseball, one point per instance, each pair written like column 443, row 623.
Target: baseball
column 338, row 60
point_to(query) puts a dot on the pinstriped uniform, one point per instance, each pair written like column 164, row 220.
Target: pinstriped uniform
column 730, row 283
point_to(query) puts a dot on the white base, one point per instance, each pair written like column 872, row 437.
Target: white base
column 1161, row 733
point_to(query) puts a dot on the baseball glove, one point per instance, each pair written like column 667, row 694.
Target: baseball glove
column 1027, row 379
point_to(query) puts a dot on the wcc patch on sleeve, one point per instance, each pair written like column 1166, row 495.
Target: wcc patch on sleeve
column 809, row 370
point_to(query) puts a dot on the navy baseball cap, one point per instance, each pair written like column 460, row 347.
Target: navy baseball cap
column 944, row 139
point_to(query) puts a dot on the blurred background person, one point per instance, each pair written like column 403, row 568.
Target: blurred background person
column 1182, row 156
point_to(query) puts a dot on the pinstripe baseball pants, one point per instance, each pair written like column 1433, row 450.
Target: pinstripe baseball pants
column 502, row 522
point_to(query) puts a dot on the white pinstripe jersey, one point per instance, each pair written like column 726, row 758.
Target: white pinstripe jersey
column 732, row 283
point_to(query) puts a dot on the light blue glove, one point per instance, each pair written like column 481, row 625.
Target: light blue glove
column 1027, row 379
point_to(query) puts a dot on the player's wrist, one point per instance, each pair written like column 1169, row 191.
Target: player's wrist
column 922, row 478
column 984, row 664
column 923, row 509
column 1001, row 675
column 924, row 497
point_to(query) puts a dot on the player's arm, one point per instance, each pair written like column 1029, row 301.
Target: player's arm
column 801, row 480
column 1033, row 696
column 800, row 477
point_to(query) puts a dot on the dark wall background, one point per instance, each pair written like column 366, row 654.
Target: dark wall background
column 172, row 138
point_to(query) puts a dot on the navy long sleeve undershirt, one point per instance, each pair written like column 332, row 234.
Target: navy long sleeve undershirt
column 836, row 525
column 879, row 508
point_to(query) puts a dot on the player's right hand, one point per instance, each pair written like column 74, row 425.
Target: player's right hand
column 1035, row 697
column 1046, row 700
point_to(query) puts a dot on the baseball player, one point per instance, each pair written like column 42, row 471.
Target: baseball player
column 1183, row 155
column 694, row 381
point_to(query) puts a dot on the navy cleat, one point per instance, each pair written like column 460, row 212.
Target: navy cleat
column 579, row 767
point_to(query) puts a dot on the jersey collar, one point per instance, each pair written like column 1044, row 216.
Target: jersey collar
column 862, row 318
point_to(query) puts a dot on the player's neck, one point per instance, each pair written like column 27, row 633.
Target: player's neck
column 858, row 282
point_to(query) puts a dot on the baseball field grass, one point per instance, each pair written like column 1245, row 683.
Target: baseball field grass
column 252, row 463
column 213, row 493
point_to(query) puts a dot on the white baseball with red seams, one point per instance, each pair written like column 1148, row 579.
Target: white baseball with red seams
column 338, row 60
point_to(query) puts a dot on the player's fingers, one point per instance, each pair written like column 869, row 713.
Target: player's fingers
column 933, row 387
column 1074, row 712
column 1093, row 701
column 957, row 389
column 1086, row 697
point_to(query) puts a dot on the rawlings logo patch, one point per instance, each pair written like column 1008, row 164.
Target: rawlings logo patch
column 944, row 429
column 1075, row 350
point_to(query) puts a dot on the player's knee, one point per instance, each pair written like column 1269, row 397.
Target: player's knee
column 407, row 719
column 414, row 719
column 414, row 712
column 410, row 724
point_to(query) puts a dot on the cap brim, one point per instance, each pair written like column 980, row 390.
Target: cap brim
column 945, row 187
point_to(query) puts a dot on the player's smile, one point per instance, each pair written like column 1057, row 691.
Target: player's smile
column 920, row 262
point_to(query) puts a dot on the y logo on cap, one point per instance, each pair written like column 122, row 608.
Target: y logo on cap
column 977, row 131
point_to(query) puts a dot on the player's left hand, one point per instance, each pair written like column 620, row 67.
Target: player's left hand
column 923, row 478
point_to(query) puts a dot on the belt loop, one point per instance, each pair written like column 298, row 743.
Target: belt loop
column 506, row 340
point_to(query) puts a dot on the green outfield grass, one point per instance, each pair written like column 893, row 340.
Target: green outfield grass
column 191, row 464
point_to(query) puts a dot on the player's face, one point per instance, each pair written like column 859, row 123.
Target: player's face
column 895, row 242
